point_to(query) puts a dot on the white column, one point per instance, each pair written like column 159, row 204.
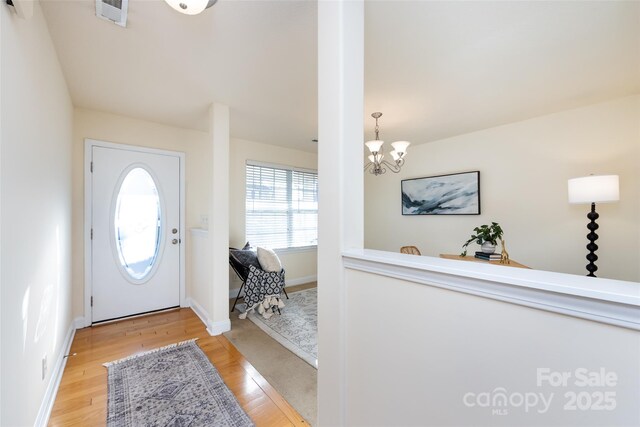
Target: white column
column 340, row 162
column 219, row 220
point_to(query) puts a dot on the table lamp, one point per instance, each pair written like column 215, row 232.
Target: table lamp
column 593, row 189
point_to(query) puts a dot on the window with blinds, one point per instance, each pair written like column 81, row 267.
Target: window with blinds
column 281, row 206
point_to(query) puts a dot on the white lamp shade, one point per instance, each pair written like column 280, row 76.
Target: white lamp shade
column 190, row 7
column 594, row 189
column 400, row 146
column 379, row 157
column 374, row 145
column 395, row 155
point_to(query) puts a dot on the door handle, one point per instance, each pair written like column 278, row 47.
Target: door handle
column 174, row 241
column 174, row 231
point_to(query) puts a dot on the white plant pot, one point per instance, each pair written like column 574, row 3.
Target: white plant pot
column 488, row 248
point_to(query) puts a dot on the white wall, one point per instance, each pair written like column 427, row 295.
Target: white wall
column 125, row 130
column 413, row 365
column 200, row 295
column 299, row 265
column 36, row 213
column 524, row 169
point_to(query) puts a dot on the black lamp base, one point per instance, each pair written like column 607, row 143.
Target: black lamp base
column 592, row 236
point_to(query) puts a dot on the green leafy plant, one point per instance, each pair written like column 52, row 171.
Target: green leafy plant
column 485, row 233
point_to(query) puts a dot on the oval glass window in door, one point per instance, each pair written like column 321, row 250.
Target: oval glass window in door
column 137, row 222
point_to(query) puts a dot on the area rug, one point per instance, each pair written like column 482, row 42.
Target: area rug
column 171, row 386
column 297, row 327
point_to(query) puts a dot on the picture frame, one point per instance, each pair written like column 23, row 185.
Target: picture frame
column 450, row 194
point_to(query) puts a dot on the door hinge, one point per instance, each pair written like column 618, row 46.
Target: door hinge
column 91, row 167
column 92, row 234
column 91, row 301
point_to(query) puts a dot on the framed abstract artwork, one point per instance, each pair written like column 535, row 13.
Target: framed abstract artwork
column 453, row 194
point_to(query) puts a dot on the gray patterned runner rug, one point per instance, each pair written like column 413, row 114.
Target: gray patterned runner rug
column 171, row 386
column 297, row 327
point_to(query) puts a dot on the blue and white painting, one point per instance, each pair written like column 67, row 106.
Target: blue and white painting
column 456, row 194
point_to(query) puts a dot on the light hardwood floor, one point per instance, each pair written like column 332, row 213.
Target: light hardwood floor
column 82, row 396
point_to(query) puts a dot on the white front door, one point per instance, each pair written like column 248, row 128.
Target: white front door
column 135, row 221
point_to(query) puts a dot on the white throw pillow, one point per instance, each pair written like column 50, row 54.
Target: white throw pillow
column 268, row 259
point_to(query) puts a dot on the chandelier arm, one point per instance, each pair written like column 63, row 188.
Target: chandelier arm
column 367, row 165
column 394, row 167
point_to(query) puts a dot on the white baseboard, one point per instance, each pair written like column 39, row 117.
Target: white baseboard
column 56, row 375
column 199, row 311
column 217, row 328
column 81, row 322
column 301, row 280
column 289, row 282
column 213, row 328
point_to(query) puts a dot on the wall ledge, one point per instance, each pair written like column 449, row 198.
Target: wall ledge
column 301, row 249
column 200, row 232
column 607, row 301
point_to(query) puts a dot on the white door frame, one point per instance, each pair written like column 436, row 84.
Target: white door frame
column 88, row 255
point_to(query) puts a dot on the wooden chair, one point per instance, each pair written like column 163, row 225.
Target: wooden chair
column 411, row 250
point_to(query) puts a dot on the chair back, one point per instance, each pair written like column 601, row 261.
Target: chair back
column 411, row 250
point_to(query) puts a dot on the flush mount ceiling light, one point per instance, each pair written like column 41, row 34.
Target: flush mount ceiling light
column 377, row 163
column 190, row 7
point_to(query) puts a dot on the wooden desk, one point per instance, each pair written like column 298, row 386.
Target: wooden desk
column 474, row 259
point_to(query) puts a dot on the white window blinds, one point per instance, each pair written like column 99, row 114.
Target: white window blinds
column 281, row 206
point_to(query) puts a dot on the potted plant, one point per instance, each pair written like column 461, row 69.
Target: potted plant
column 486, row 236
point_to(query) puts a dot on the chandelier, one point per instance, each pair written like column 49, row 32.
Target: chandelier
column 190, row 7
column 377, row 165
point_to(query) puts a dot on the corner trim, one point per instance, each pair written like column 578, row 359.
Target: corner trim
column 49, row 398
column 217, row 328
column 213, row 328
column 554, row 292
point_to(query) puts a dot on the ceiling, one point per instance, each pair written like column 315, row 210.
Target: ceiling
column 439, row 69
column 258, row 57
column 435, row 69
